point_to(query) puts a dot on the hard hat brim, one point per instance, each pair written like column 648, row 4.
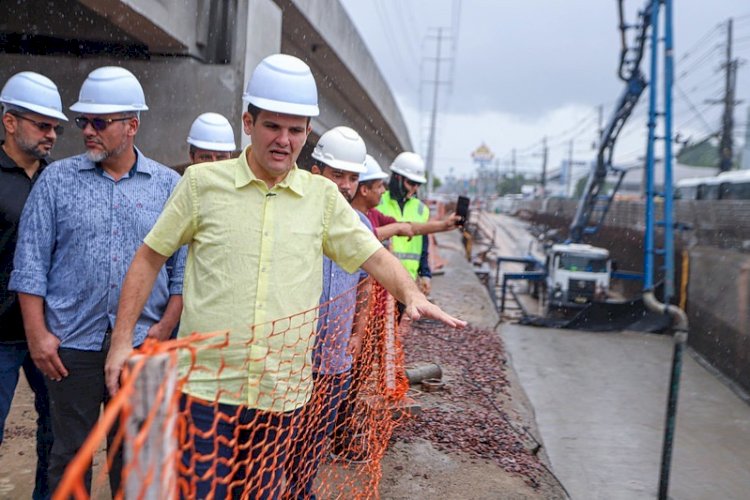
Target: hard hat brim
column 212, row 146
column 104, row 109
column 414, row 178
column 349, row 166
column 287, row 108
column 377, row 176
column 35, row 108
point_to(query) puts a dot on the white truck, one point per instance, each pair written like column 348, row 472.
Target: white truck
column 577, row 274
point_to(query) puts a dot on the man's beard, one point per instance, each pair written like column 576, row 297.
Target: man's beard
column 100, row 156
column 33, row 148
column 97, row 156
column 347, row 196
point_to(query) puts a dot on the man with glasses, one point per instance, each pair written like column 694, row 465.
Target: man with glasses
column 31, row 115
column 81, row 226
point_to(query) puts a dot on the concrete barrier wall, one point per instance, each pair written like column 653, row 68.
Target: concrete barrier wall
column 718, row 249
column 719, row 310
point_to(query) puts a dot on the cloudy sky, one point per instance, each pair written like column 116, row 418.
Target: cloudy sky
column 522, row 70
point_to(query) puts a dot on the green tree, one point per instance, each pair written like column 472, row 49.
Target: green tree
column 510, row 184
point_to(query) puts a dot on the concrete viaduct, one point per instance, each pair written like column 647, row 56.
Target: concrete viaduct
column 193, row 56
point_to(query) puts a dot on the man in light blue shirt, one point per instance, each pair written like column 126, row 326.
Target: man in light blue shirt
column 340, row 153
column 83, row 222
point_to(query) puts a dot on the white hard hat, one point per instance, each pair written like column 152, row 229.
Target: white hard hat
column 212, row 132
column 373, row 171
column 411, row 166
column 283, row 84
column 341, row 148
column 34, row 92
column 110, row 89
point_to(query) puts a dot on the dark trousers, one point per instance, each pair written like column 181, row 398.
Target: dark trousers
column 75, row 404
column 231, row 451
column 316, row 424
column 13, row 357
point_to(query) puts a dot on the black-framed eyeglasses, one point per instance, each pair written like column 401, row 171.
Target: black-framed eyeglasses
column 42, row 126
column 411, row 182
column 99, row 124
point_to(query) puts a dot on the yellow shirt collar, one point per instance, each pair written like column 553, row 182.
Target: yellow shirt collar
column 244, row 176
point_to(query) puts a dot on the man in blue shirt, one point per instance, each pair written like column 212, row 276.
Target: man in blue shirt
column 81, row 226
column 31, row 116
column 341, row 322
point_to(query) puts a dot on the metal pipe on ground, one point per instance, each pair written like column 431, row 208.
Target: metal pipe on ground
column 417, row 374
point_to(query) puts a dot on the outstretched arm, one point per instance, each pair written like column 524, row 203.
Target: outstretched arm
column 135, row 292
column 385, row 268
column 436, row 226
column 394, row 229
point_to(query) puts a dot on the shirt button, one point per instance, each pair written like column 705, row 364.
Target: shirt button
column 265, row 233
column 114, row 259
column 113, row 286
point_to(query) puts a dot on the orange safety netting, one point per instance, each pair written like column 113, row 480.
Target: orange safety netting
column 312, row 437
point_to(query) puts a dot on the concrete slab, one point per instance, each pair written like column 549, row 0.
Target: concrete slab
column 600, row 403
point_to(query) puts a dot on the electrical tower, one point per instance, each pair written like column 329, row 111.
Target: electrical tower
column 440, row 38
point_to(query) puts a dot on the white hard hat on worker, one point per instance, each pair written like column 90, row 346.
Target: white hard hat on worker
column 109, row 105
column 281, row 96
column 211, row 138
column 32, row 92
column 340, row 155
column 373, row 171
column 31, row 114
column 371, row 183
column 343, row 149
column 411, row 166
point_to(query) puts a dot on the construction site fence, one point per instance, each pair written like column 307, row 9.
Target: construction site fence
column 181, row 435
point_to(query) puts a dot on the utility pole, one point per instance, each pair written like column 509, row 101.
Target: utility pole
column 545, row 150
column 727, row 128
column 569, row 179
column 433, row 120
column 513, row 163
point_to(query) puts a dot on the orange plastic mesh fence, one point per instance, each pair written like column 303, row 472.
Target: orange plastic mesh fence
column 231, row 415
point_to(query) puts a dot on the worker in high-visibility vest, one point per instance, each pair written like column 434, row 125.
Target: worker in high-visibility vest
column 401, row 203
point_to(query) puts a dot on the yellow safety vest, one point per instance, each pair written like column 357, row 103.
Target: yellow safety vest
column 408, row 251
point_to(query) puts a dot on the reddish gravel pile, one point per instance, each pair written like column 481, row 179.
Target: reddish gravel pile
column 468, row 415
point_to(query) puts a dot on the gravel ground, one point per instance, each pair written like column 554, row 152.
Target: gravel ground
column 477, row 438
column 467, row 415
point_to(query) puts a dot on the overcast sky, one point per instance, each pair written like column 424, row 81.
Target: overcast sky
column 525, row 69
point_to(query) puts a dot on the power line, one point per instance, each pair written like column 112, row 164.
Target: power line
column 713, row 79
column 699, row 62
column 715, row 31
column 406, row 68
column 409, row 33
column 695, row 111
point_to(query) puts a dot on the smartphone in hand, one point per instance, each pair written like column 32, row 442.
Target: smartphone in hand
column 462, row 209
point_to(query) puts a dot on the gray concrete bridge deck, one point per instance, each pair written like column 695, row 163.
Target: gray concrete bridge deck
column 193, row 56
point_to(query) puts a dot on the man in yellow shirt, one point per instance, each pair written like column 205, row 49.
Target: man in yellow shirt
column 258, row 228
